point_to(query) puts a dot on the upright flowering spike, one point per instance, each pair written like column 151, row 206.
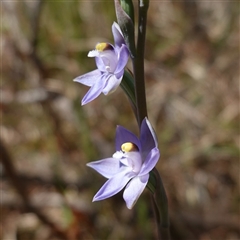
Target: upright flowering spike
column 130, row 164
column 110, row 61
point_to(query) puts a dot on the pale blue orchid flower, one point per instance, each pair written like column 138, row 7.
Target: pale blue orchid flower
column 110, row 61
column 130, row 164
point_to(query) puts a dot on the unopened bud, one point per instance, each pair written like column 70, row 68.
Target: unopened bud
column 127, row 27
column 127, row 6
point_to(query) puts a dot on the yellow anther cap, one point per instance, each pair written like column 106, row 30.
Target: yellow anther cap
column 103, row 46
column 129, row 147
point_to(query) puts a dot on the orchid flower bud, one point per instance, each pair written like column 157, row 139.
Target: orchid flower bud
column 127, row 6
column 126, row 24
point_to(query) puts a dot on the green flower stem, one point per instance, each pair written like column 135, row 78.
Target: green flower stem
column 140, row 90
column 155, row 185
column 138, row 63
column 142, row 23
column 160, row 203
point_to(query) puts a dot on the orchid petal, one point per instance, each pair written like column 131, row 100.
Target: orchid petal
column 123, row 136
column 134, row 189
column 95, row 90
column 150, row 162
column 125, row 162
column 152, row 132
column 100, row 64
column 88, row 79
column 122, row 59
column 113, row 185
column 110, row 59
column 147, row 137
column 107, row 167
column 117, row 35
column 111, row 85
column 119, row 75
column 134, row 160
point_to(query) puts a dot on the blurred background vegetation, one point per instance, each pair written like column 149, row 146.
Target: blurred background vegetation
column 192, row 87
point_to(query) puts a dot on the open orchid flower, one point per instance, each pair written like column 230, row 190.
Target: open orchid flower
column 110, row 61
column 130, row 164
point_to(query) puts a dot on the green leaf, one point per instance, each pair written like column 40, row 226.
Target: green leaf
column 128, row 87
